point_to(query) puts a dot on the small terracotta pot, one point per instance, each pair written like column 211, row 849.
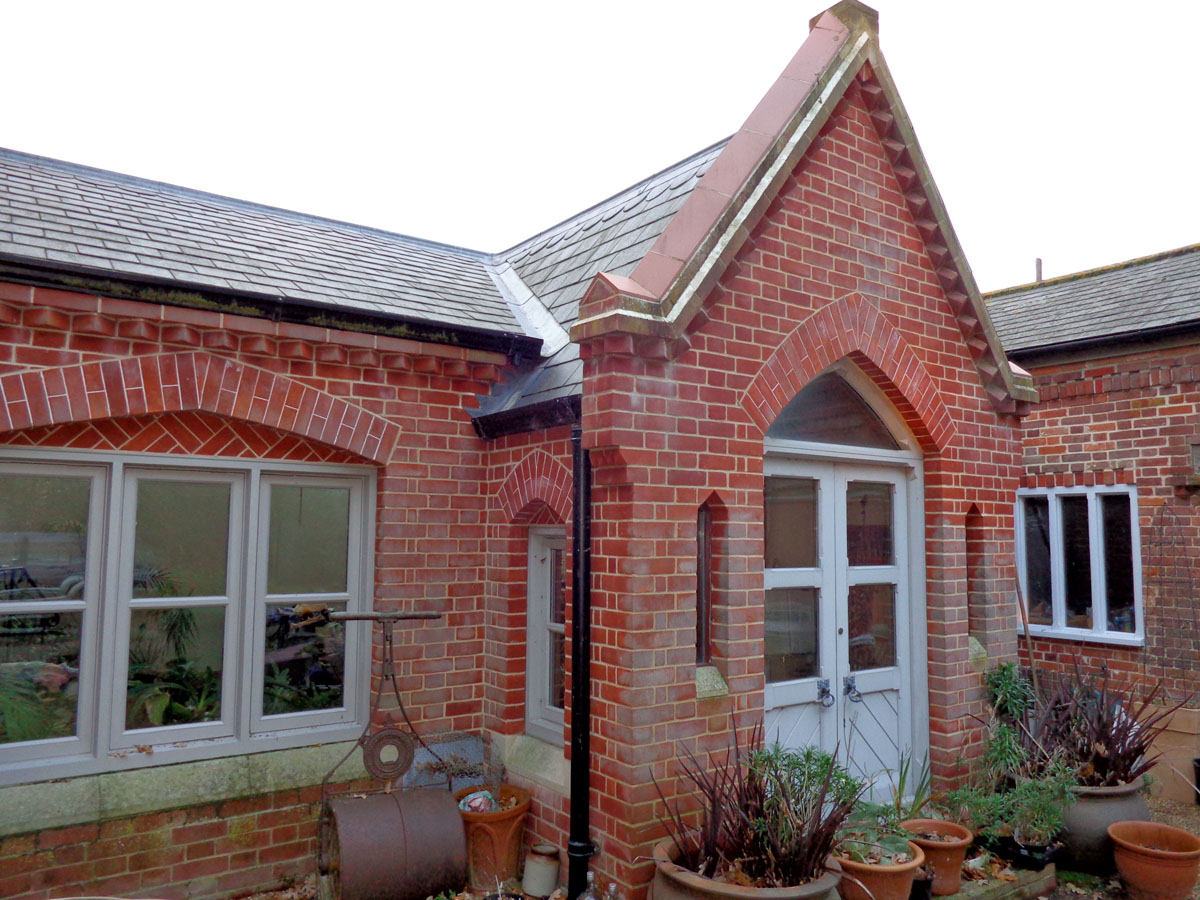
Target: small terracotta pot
column 946, row 857
column 1156, row 862
column 884, row 882
column 673, row 883
column 494, row 839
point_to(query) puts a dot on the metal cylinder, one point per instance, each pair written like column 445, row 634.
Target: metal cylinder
column 406, row 845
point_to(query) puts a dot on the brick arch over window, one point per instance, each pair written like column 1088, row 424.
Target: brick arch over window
column 852, row 328
column 537, row 479
column 185, row 382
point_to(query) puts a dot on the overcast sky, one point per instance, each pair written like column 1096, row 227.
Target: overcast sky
column 1061, row 129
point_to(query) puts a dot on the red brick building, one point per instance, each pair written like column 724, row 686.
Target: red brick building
column 1107, row 513
column 220, row 421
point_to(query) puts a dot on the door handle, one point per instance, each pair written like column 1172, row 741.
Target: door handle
column 850, row 690
column 824, row 694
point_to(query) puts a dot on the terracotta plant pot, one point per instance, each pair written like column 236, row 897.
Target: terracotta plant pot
column 494, row 839
column 1156, row 862
column 673, row 883
column 884, row 882
column 1086, row 821
column 946, row 857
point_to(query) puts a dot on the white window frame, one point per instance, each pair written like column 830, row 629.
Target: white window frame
column 541, row 719
column 101, row 744
column 1098, row 633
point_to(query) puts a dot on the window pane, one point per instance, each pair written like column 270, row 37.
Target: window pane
column 43, row 537
column 310, row 533
column 791, row 634
column 181, row 546
column 1118, row 562
column 304, row 663
column 557, row 672
column 791, row 523
column 1077, row 557
column 39, row 675
column 829, row 411
column 872, row 615
column 175, row 662
column 558, row 587
column 1037, row 560
column 869, row 523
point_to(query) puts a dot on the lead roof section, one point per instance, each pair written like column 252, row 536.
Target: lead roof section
column 1154, row 292
column 64, row 215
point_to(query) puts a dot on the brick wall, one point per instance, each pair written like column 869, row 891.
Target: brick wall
column 1131, row 418
column 88, row 372
column 836, row 269
column 212, row 851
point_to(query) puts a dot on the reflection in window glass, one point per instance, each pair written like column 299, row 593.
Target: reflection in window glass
column 791, row 523
column 556, row 696
column 310, row 533
column 869, row 523
column 43, row 537
column 175, row 663
column 181, row 545
column 791, row 634
column 871, row 610
column 39, row 675
column 1077, row 557
column 304, row 661
column 1037, row 560
column 830, row 411
column 1118, row 562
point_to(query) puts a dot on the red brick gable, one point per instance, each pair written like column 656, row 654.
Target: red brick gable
column 654, row 311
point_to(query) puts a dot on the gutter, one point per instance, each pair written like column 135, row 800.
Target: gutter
column 531, row 417
column 169, row 292
column 1106, row 341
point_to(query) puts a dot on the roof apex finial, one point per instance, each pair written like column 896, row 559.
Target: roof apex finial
column 851, row 13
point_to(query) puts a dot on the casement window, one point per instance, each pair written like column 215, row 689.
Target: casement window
column 161, row 609
column 545, row 653
column 1079, row 558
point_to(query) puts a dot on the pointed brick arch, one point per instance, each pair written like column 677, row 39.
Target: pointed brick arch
column 539, row 477
column 852, row 328
column 183, row 382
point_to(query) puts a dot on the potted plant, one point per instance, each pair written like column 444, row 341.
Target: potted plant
column 878, row 863
column 1105, row 733
column 878, row 860
column 1156, row 862
column 768, row 818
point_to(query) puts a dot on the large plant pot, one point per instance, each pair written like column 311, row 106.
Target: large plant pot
column 946, row 857
column 673, row 883
column 1156, row 862
column 884, row 882
column 1086, row 821
column 494, row 839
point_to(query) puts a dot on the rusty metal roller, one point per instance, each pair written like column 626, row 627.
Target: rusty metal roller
column 406, row 845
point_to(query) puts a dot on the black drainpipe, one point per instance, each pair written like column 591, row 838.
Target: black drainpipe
column 579, row 845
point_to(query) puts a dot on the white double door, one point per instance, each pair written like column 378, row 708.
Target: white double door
column 838, row 613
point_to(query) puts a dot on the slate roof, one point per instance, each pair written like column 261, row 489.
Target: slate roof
column 60, row 213
column 1153, row 292
column 558, row 265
